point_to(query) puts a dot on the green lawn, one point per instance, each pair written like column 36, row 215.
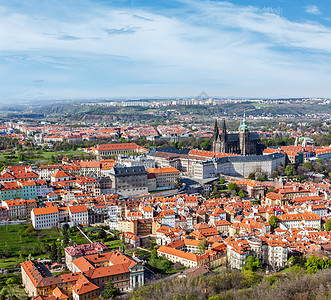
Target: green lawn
column 17, row 245
column 139, row 252
column 163, row 266
column 39, row 155
column 113, row 245
column 48, row 155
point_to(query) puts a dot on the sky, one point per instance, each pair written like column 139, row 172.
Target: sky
column 80, row 49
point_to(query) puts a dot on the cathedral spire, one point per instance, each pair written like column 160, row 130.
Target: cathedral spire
column 216, row 130
column 224, row 126
column 243, row 125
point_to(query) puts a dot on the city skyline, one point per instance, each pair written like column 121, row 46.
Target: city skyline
column 90, row 49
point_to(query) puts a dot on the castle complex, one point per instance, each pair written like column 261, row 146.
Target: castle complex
column 244, row 142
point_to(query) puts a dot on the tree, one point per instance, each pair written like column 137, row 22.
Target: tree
column 153, row 254
column 241, row 194
column 251, row 176
column 65, row 227
column 202, row 246
column 178, row 183
column 274, row 174
column 308, row 165
column 252, row 264
column 10, row 281
column 102, row 235
column 273, row 221
column 65, row 239
column 59, row 255
column 271, row 189
column 296, row 261
column 280, row 170
column 111, row 291
column 288, row 170
column 313, row 264
column 53, row 158
column 152, row 244
column 21, row 156
column 232, row 186
column 300, row 178
column 53, row 252
column 327, row 225
column 222, row 181
column 206, row 145
column 180, row 144
column 317, row 166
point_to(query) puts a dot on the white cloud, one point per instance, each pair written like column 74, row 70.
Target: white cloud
column 233, row 50
column 312, row 9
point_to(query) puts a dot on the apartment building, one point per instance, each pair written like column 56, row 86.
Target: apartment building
column 19, row 208
column 212, row 258
column 78, row 215
column 297, row 220
column 271, row 251
column 45, row 217
column 60, row 176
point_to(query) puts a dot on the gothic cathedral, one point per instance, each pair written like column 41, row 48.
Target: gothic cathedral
column 244, row 142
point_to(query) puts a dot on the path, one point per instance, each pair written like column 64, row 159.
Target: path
column 84, row 235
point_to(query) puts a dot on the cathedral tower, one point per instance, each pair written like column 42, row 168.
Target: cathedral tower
column 216, row 139
column 244, row 137
column 224, row 139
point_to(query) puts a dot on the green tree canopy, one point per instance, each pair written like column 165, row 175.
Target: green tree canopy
column 252, row 264
column 288, row 170
column 180, row 144
column 271, row 189
column 206, row 145
column 111, row 291
column 241, row 194
column 327, row 225
column 102, row 234
column 178, row 183
column 202, row 246
column 273, row 221
column 232, row 186
column 274, row 174
column 153, row 254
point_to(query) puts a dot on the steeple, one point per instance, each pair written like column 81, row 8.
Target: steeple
column 215, row 130
column 224, row 139
column 243, row 125
column 224, row 133
column 224, row 127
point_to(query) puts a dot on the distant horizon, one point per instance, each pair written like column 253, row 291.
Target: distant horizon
column 63, row 50
column 138, row 98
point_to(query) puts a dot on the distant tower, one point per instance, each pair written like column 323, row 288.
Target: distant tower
column 224, row 140
column 244, row 137
column 215, row 134
column 216, row 139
